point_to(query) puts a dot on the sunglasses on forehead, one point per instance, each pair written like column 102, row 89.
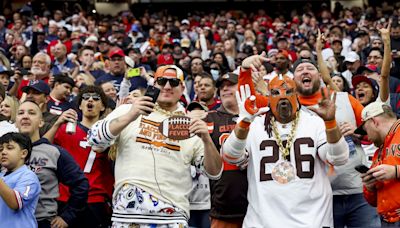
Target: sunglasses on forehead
column 87, row 96
column 173, row 82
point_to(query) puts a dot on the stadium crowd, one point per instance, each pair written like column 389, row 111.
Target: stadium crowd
column 310, row 98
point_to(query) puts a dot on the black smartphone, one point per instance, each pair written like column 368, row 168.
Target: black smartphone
column 152, row 92
column 362, row 168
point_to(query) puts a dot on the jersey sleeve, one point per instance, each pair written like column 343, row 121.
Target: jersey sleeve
column 27, row 189
column 99, row 136
column 333, row 153
column 69, row 174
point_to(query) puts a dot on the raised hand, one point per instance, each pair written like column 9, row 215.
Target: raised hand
column 320, row 41
column 327, row 108
column 255, row 61
column 385, row 33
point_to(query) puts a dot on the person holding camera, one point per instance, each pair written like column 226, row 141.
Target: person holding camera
column 152, row 171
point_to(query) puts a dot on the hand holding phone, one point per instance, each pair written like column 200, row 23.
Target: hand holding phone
column 361, row 168
column 133, row 72
column 152, row 92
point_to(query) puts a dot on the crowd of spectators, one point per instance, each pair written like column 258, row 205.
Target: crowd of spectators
column 60, row 67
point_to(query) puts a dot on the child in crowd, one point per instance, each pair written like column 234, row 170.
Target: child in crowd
column 19, row 186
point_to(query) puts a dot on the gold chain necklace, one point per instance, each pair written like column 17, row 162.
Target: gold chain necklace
column 285, row 150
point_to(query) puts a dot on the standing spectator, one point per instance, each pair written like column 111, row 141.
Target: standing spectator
column 38, row 91
column 117, row 72
column 40, row 71
column 92, row 102
column 229, row 193
column 61, row 63
column 52, row 165
column 145, row 157
column 207, row 92
column 19, row 186
column 380, row 182
column 275, row 170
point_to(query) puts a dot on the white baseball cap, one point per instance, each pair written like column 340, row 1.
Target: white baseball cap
column 352, row 57
column 370, row 111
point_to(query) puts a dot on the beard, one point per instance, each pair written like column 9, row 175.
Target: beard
column 37, row 71
column 308, row 92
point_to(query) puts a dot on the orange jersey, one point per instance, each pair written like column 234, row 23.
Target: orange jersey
column 386, row 198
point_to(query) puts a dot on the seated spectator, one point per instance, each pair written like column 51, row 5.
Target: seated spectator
column 19, row 186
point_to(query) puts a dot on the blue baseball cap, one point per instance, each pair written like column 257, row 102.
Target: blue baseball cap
column 38, row 85
column 4, row 70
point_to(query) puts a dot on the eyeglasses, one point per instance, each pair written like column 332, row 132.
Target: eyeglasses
column 87, row 96
column 173, row 82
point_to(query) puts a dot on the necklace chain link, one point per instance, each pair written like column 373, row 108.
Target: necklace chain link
column 285, row 150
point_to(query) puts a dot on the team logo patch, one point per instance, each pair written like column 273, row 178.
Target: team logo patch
column 176, row 127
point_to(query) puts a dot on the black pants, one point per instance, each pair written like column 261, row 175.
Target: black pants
column 95, row 215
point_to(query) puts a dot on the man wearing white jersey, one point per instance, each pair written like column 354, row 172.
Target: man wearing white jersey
column 152, row 172
column 288, row 150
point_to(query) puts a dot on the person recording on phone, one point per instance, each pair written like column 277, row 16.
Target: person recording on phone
column 381, row 181
column 154, row 168
column 118, row 68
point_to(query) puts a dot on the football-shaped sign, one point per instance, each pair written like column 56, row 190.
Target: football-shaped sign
column 176, row 127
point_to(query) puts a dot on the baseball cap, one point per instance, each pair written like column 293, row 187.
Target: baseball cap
column 116, row 51
column 160, row 72
column 372, row 110
column 232, row 77
column 165, row 59
column 196, row 104
column 135, row 28
column 369, row 67
column 4, row 70
column 91, row 38
column 272, row 52
column 351, row 57
column 300, row 61
column 2, row 18
column 103, row 40
column 361, row 78
column 185, row 21
column 38, row 85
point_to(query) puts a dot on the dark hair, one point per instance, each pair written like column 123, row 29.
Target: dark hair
column 346, row 87
column 225, row 64
column 376, row 49
column 63, row 78
column 22, row 140
column 207, row 75
column 93, row 89
column 2, row 92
